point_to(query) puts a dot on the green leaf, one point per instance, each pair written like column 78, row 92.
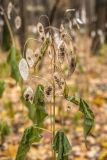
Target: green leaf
column 37, row 112
column 40, row 105
column 2, row 87
column 31, row 109
column 88, row 114
column 61, row 145
column 73, row 99
column 88, row 117
column 13, row 59
column 31, row 135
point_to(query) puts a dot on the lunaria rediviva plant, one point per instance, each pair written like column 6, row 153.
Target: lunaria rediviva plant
column 56, row 56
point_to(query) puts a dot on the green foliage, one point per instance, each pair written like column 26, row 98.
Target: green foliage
column 4, row 131
column 40, row 105
column 37, row 112
column 31, row 135
column 6, row 38
column 13, row 59
column 61, row 145
column 88, row 117
column 85, row 109
column 2, row 87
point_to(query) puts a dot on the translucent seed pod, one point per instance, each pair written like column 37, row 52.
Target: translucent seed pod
column 30, row 57
column 9, row 9
column 41, row 31
column 18, row 22
column 23, row 68
column 29, row 94
column 50, row 52
column 61, row 52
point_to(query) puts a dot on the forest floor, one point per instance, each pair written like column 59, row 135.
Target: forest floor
column 89, row 81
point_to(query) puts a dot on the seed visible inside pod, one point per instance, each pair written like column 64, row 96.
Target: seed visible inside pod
column 61, row 52
column 57, row 79
column 48, row 90
column 41, row 31
column 72, row 65
column 28, row 94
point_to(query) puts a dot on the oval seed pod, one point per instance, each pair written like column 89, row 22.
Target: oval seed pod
column 23, row 68
column 41, row 31
column 50, row 52
column 9, row 9
column 30, row 57
column 29, row 94
column 18, row 22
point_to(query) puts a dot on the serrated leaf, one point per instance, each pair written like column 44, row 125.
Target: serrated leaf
column 61, row 145
column 88, row 117
column 31, row 135
column 13, row 59
column 2, row 87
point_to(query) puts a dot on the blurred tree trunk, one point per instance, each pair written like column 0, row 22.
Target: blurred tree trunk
column 22, row 5
column 6, row 39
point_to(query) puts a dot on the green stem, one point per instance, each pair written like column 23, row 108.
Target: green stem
column 43, row 129
column 54, row 97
